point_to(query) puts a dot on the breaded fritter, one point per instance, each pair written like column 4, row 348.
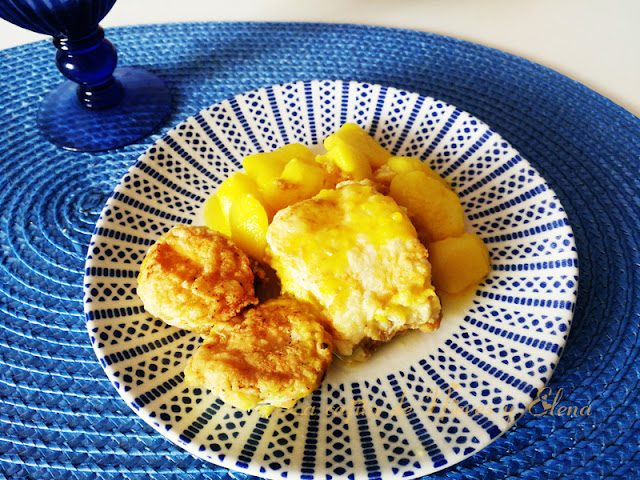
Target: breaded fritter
column 270, row 356
column 194, row 277
column 354, row 255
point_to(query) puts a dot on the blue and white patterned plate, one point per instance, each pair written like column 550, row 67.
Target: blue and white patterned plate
column 424, row 401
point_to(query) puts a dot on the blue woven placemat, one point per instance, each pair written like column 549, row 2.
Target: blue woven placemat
column 59, row 415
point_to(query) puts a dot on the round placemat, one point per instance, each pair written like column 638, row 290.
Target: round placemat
column 60, row 416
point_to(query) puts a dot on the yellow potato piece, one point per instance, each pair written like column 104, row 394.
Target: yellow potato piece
column 216, row 208
column 307, row 174
column 214, row 216
column 280, row 193
column 458, row 263
column 300, row 179
column 434, row 209
column 248, row 222
column 411, row 164
column 352, row 138
column 277, row 188
column 267, row 167
column 351, row 161
column 333, row 174
column 237, row 185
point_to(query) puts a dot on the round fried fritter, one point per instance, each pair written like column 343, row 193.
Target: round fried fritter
column 194, row 277
column 274, row 355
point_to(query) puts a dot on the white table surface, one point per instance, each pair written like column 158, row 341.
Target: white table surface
column 595, row 42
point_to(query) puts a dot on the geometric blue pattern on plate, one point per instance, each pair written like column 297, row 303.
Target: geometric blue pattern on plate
column 423, row 402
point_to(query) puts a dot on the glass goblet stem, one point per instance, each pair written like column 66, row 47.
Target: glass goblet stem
column 90, row 62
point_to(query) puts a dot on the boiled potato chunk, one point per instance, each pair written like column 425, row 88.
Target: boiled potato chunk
column 267, row 167
column 214, row 216
column 352, row 134
column 351, row 161
column 333, row 174
column 216, row 208
column 237, row 185
column 352, row 138
column 248, row 223
column 285, row 176
column 411, row 164
column 434, row 209
column 299, row 180
column 458, row 263
column 280, row 193
column 307, row 174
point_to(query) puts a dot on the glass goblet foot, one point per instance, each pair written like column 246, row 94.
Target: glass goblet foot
column 67, row 122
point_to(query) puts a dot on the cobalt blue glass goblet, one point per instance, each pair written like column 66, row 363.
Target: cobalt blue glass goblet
column 101, row 106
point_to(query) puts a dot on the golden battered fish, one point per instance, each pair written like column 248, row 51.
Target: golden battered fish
column 269, row 356
column 194, row 277
column 354, row 255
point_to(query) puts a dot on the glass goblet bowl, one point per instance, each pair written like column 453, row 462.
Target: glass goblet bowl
column 100, row 106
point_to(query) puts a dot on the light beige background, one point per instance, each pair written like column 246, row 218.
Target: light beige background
column 596, row 42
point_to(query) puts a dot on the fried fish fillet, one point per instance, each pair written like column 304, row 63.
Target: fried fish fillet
column 194, row 277
column 354, row 255
column 269, row 356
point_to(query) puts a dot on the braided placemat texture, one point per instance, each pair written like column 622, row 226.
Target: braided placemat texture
column 60, row 416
